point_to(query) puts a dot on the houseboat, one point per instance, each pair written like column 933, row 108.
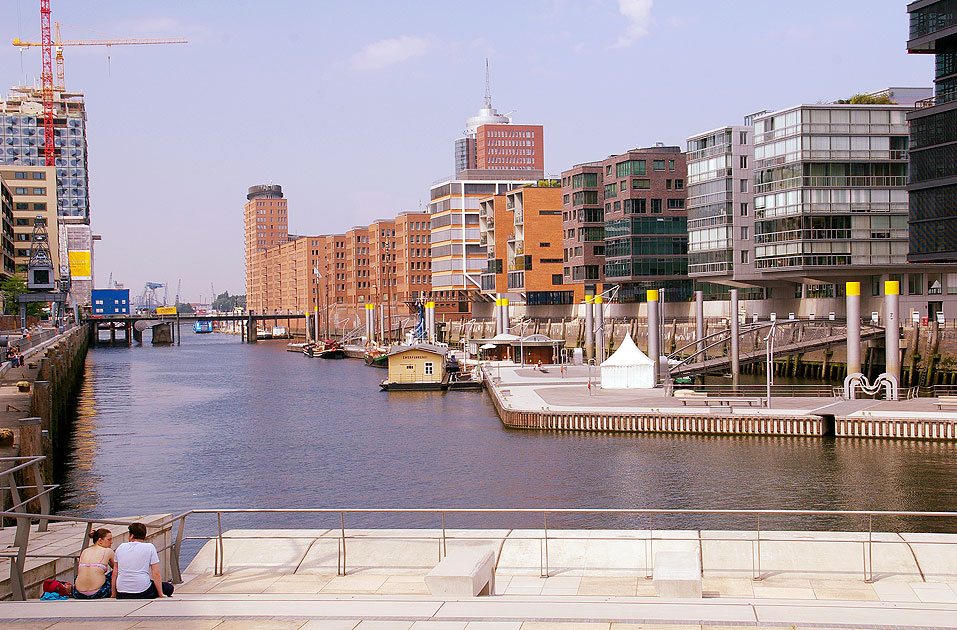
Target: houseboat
column 419, row 366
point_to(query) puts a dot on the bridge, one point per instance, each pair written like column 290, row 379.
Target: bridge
column 791, row 337
column 167, row 328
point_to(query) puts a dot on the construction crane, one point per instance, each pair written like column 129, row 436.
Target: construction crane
column 58, row 42
column 179, row 286
column 46, row 79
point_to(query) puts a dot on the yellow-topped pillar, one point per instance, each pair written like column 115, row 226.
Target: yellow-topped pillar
column 892, row 332
column 654, row 332
column 589, row 327
column 853, row 298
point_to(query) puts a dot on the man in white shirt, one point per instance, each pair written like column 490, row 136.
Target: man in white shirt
column 136, row 574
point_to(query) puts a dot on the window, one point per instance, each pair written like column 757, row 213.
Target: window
column 38, row 175
column 428, row 368
column 608, row 170
column 744, row 185
column 544, row 244
column 744, row 233
column 679, row 184
column 631, row 167
column 641, row 184
column 659, row 165
column 744, row 161
column 744, row 209
column 668, row 184
column 20, row 175
column 656, row 206
column 676, row 204
column 742, row 137
column 671, row 165
column 915, row 284
column 745, row 256
column 556, row 278
column 611, row 190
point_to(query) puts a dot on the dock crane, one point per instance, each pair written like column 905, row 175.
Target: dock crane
column 46, row 48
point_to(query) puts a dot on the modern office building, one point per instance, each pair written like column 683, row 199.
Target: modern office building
column 646, row 224
column 491, row 141
column 33, row 196
column 265, row 217
column 458, row 255
column 521, row 231
column 583, row 226
column 720, row 204
column 21, row 137
column 933, row 136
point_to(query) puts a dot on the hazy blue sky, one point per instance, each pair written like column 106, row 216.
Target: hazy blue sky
column 353, row 107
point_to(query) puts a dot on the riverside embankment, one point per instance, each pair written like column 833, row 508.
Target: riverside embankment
column 37, row 399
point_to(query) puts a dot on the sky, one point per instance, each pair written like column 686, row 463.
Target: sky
column 353, row 107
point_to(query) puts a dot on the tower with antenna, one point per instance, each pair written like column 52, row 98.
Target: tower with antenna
column 492, row 142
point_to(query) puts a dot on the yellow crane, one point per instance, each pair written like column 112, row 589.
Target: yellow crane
column 59, row 43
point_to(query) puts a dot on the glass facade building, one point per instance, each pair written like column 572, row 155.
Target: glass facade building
column 933, row 136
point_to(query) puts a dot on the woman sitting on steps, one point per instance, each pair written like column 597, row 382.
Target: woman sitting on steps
column 94, row 575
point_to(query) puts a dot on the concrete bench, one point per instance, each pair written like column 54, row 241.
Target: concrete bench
column 946, row 401
column 732, row 401
column 684, row 395
column 463, row 573
column 677, row 574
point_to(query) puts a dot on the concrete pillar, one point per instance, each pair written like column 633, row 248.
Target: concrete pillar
column 430, row 322
column 370, row 322
column 735, row 340
column 853, row 297
column 506, row 316
column 600, row 337
column 699, row 320
column 654, row 331
column 498, row 313
column 589, row 327
column 892, row 333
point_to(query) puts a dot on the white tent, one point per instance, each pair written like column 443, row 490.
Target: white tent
column 628, row 368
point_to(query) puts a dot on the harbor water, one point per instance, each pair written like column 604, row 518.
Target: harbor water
column 214, row 423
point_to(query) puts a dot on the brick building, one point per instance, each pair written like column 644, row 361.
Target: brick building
column 265, row 218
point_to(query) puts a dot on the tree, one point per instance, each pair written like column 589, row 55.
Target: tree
column 868, row 99
column 11, row 288
column 225, row 302
column 184, row 308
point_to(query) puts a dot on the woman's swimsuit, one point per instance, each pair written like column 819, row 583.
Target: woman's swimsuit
column 104, row 591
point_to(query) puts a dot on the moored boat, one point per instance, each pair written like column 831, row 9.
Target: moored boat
column 202, row 326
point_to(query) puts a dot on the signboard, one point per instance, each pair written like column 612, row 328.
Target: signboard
column 165, row 310
column 81, row 267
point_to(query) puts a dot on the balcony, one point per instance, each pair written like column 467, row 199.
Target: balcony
column 516, row 280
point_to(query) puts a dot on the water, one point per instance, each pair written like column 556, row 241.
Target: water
column 215, row 423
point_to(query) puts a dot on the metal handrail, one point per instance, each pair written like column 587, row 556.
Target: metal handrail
column 760, row 532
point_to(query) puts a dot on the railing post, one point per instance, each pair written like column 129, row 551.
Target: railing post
column 649, row 550
column 176, row 574
column 342, row 543
column 757, row 556
column 44, row 497
column 869, row 560
column 543, row 563
column 445, row 550
column 220, row 552
column 22, row 537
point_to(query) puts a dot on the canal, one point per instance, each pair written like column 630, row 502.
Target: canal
column 215, row 423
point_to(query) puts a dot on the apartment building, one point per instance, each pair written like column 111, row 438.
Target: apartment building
column 458, row 255
column 412, row 261
column 34, row 195
column 8, row 267
column 265, row 220
column 521, row 231
column 933, row 136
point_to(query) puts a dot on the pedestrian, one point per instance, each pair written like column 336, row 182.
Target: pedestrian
column 137, row 575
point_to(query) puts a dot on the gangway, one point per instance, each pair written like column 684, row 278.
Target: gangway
column 794, row 337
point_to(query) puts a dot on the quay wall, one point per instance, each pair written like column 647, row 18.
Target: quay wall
column 53, row 392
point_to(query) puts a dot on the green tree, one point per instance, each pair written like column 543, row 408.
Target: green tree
column 11, row 288
column 184, row 308
column 225, row 302
column 867, row 99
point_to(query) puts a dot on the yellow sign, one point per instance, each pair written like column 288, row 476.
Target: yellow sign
column 81, row 267
column 165, row 310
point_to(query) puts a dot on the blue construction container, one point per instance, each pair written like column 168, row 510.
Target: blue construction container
column 108, row 302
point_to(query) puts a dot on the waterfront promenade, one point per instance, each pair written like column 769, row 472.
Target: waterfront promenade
column 596, row 580
column 572, row 399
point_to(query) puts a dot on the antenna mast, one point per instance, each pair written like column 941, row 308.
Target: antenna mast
column 488, row 92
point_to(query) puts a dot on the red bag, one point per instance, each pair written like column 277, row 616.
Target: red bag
column 58, row 587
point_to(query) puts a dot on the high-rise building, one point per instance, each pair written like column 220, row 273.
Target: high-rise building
column 7, row 268
column 23, row 142
column 265, row 220
column 933, row 136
